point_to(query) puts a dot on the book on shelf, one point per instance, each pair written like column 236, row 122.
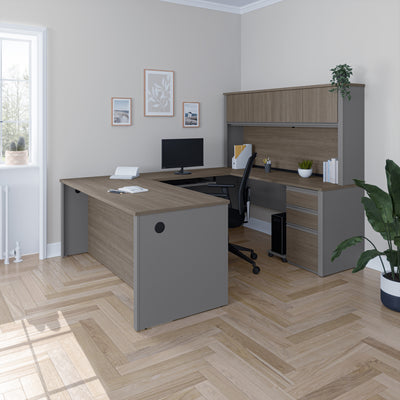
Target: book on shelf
column 331, row 171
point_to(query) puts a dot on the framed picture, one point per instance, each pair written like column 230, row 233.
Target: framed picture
column 191, row 114
column 158, row 93
column 121, row 111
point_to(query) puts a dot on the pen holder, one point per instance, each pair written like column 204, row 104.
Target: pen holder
column 267, row 168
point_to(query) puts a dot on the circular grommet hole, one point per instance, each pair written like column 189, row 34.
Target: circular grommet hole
column 160, row 227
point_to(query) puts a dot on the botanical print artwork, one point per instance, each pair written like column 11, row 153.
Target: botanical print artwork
column 159, row 93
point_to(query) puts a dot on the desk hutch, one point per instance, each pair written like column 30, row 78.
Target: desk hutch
column 297, row 123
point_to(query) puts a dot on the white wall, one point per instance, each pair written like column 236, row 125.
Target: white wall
column 23, row 185
column 98, row 49
column 297, row 42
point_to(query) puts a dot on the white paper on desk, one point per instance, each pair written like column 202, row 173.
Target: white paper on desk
column 125, row 173
column 133, row 189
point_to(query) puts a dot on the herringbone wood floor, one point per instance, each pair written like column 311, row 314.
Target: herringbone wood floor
column 66, row 333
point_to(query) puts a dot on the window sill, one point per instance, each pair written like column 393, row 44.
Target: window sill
column 4, row 167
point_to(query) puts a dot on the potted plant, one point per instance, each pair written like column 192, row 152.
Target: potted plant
column 383, row 213
column 305, row 168
column 267, row 164
column 17, row 154
column 341, row 79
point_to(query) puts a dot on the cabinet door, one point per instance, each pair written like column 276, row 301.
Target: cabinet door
column 276, row 106
column 319, row 105
column 237, row 107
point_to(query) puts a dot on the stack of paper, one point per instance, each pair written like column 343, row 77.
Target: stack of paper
column 132, row 189
column 331, row 171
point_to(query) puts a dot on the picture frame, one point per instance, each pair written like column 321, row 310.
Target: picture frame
column 158, row 93
column 121, row 111
column 191, row 114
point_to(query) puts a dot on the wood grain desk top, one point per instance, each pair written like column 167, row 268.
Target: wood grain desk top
column 275, row 176
column 162, row 197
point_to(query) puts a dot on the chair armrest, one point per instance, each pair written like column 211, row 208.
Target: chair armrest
column 217, row 185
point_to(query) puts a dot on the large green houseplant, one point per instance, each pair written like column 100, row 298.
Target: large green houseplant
column 383, row 213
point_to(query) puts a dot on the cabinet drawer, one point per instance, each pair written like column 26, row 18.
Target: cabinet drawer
column 302, row 199
column 301, row 218
column 302, row 248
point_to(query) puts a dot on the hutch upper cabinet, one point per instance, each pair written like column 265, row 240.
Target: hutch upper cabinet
column 328, row 126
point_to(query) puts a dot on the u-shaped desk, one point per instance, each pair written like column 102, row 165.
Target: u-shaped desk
column 171, row 244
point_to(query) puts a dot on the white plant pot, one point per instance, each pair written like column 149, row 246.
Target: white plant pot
column 305, row 173
column 17, row 157
column 390, row 293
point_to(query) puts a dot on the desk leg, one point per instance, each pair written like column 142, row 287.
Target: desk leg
column 183, row 269
column 74, row 222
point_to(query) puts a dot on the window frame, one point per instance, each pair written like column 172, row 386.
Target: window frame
column 39, row 116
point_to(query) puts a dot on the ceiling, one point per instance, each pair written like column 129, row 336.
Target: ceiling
column 231, row 6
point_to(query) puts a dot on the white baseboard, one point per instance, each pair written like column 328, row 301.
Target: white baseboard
column 53, row 250
column 259, row 225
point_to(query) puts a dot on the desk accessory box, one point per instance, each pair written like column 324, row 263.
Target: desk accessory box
column 241, row 154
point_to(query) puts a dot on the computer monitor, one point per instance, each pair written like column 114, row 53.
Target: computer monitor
column 180, row 153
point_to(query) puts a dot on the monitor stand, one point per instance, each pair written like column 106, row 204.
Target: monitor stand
column 182, row 172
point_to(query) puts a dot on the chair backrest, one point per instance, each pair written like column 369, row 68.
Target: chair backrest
column 243, row 185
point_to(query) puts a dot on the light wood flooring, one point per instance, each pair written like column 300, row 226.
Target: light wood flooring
column 66, row 333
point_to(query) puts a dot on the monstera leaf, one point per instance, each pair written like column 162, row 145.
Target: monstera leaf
column 374, row 216
column 365, row 258
column 393, row 182
column 382, row 200
column 346, row 244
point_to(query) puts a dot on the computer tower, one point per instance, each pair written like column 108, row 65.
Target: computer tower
column 278, row 234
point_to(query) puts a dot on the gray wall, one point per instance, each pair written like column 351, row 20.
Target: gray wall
column 98, row 49
column 295, row 42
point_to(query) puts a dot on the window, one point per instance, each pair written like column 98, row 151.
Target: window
column 18, row 63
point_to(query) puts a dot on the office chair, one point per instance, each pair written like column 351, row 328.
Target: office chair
column 237, row 217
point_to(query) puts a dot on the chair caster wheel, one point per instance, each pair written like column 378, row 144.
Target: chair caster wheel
column 256, row 270
column 253, row 255
column 284, row 260
column 270, row 254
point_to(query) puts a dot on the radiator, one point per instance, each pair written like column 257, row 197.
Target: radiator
column 4, row 250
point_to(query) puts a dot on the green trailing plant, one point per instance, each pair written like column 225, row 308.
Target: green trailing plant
column 383, row 213
column 305, row 164
column 341, row 79
column 21, row 144
column 13, row 146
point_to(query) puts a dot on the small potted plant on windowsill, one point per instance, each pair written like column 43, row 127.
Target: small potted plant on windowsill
column 17, row 154
column 305, row 168
column 383, row 212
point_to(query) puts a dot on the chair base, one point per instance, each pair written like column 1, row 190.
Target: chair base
column 237, row 250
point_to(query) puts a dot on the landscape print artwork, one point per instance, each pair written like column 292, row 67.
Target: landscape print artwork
column 158, row 93
column 191, row 115
column 121, row 111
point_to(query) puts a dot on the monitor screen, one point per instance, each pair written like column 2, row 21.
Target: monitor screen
column 179, row 153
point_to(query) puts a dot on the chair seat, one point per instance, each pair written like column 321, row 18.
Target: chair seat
column 235, row 219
